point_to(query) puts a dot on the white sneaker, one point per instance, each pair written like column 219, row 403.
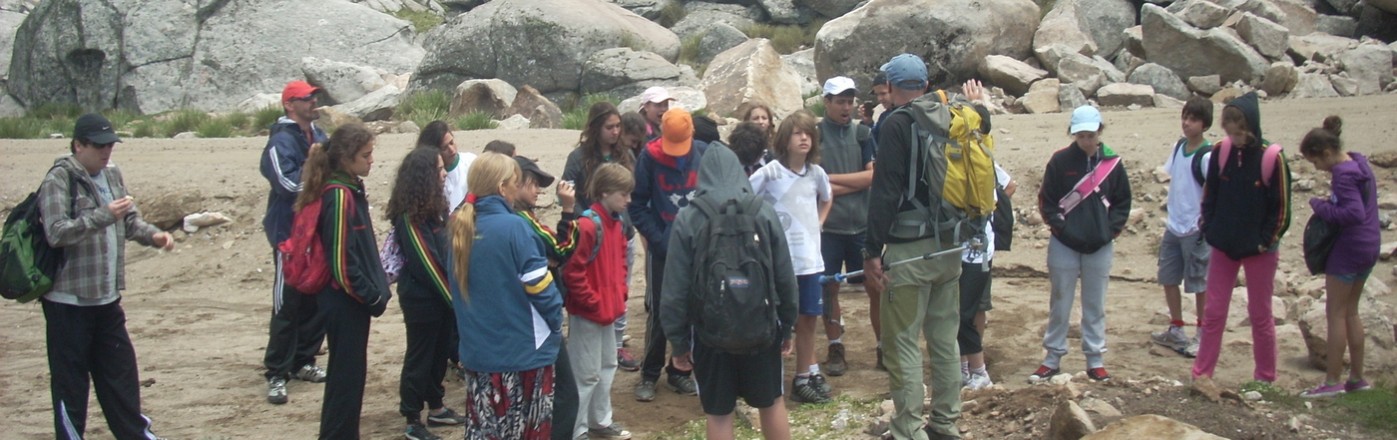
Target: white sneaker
column 310, row 373
column 1173, row 338
column 1192, row 350
column 978, row 381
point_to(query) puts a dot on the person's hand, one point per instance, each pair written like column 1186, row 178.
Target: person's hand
column 163, row 240
column 683, row 362
column 873, row 275
column 786, row 347
column 121, row 206
column 567, row 195
column 974, row 91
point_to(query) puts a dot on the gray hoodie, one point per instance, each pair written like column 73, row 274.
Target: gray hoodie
column 721, row 177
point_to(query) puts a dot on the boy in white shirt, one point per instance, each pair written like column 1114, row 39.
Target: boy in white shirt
column 1183, row 254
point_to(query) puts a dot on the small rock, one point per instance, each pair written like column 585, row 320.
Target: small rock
column 187, row 135
column 1294, row 424
column 1251, row 396
column 1204, row 386
column 1069, row 422
column 1061, row 379
column 408, row 127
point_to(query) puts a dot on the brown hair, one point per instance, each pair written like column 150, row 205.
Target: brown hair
column 1234, row 116
column 417, row 191
column 590, row 139
column 324, row 160
column 609, row 178
column 486, row 175
column 1324, row 140
column 744, row 112
column 804, row 122
column 500, row 147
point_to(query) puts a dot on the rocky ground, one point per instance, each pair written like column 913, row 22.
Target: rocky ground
column 198, row 315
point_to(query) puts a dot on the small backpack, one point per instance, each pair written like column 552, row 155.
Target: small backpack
column 733, row 306
column 28, row 264
column 1198, row 156
column 955, row 160
column 1003, row 221
column 304, row 266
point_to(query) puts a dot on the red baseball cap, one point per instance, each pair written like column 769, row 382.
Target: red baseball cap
column 297, row 90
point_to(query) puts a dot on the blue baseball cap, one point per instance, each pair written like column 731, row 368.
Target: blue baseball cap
column 1085, row 118
column 906, row 71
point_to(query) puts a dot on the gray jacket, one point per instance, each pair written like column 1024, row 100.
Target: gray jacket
column 78, row 224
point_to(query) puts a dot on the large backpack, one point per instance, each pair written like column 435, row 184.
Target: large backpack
column 304, row 266
column 28, row 264
column 955, row 160
column 733, row 306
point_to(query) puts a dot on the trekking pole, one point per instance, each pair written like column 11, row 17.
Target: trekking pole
column 975, row 243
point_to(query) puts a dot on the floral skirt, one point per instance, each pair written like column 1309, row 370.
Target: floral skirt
column 512, row 405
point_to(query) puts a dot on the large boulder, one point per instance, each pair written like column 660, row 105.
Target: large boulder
column 621, row 71
column 1298, row 16
column 830, row 8
column 784, row 12
column 393, row 6
column 1151, row 426
column 1203, row 14
column 1163, row 80
column 379, row 105
column 699, row 16
column 543, row 43
column 341, row 82
column 1125, row 95
column 1280, row 78
column 1189, row 51
column 489, row 96
column 1089, row 27
column 650, row 9
column 158, row 55
column 718, row 38
column 1069, row 422
column 1337, row 25
column 541, row 112
column 1388, row 6
column 1370, row 65
column 1313, row 85
column 803, row 63
column 1070, row 97
column 953, row 45
column 1087, row 73
column 1319, row 47
column 1012, row 75
column 751, row 71
column 1266, row 36
column 1377, row 23
column 1042, row 97
column 9, row 23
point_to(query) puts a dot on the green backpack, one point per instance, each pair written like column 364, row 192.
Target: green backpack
column 28, row 264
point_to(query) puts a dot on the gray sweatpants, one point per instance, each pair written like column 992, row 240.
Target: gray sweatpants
column 1065, row 267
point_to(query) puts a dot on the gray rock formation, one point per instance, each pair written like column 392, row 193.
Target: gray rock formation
column 542, row 43
column 1089, row 27
column 1370, row 65
column 622, row 72
column 830, row 8
column 1125, row 95
column 751, row 71
column 489, row 96
column 1319, row 47
column 700, row 15
column 719, row 37
column 1189, row 51
column 379, row 105
column 1012, row 75
column 159, row 55
column 1313, row 85
column 541, row 112
column 650, row 9
column 1280, row 78
column 341, row 82
column 1070, row 97
column 1042, row 97
column 1161, row 79
column 1203, row 14
column 784, row 12
column 1269, row 38
column 1206, row 85
column 803, row 63
column 953, row 45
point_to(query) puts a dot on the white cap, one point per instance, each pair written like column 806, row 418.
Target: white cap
column 839, row 84
column 655, row 94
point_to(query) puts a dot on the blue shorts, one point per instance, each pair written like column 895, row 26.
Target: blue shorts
column 842, row 251
column 811, row 295
column 1351, row 278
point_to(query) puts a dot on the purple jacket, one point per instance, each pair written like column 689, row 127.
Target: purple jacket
column 1356, row 212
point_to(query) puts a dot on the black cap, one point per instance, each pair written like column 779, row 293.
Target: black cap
column 528, row 165
column 95, row 129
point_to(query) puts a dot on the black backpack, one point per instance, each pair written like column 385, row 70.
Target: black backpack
column 733, row 307
column 1003, row 220
column 1197, row 166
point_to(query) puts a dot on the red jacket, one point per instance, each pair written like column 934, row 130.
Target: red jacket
column 596, row 285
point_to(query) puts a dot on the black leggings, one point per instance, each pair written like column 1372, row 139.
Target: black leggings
column 974, row 287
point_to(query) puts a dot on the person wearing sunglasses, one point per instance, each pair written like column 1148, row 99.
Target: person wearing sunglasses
column 87, row 212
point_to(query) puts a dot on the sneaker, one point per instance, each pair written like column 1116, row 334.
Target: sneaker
column 615, row 431
column 964, row 375
column 1098, row 374
column 1173, row 339
column 1358, row 385
column 1042, row 374
column 276, row 390
column 625, row 361
column 310, row 373
column 415, row 431
column 804, row 390
column 822, row 384
column 931, row 434
column 645, row 390
column 1323, row 390
column 834, row 362
column 446, row 418
column 880, row 365
column 683, row 384
column 1192, row 350
column 978, row 381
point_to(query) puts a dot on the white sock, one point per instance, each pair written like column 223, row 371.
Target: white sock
column 980, row 371
column 814, row 369
column 836, row 341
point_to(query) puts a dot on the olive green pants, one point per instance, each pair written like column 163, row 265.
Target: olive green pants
column 924, row 298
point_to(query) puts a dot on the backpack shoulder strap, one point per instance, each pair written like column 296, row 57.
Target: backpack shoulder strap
column 1268, row 162
column 596, row 244
column 1198, row 155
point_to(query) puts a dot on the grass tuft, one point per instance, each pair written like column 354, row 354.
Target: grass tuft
column 421, row 21
column 474, row 121
column 424, row 107
column 214, row 128
column 786, row 38
column 267, row 116
column 672, row 14
column 575, row 117
column 181, row 121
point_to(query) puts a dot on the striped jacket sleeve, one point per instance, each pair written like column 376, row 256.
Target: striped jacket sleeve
column 346, row 268
column 423, row 260
column 538, row 282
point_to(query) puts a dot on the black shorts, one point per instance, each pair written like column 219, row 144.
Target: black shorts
column 842, row 251
column 723, row 377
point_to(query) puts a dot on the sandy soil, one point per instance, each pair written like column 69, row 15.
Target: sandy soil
column 198, row 315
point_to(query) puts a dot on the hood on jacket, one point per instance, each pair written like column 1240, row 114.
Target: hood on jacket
column 1250, row 105
column 721, row 174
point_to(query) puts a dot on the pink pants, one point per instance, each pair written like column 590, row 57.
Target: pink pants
column 1222, row 276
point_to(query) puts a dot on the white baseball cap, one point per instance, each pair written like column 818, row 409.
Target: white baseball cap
column 839, row 84
column 654, row 95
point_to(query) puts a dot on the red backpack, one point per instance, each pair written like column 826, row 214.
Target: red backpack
column 303, row 263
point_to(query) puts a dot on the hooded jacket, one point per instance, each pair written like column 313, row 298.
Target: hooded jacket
column 1243, row 216
column 663, row 184
column 77, row 224
column 282, row 159
column 347, row 232
column 596, row 284
column 720, row 175
column 1354, row 209
column 1101, row 215
column 512, row 316
column 422, row 288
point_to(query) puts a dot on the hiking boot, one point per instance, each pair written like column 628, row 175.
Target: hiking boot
column 645, row 390
column 804, row 390
column 276, row 390
column 1356, row 385
column 931, row 434
column 683, row 384
column 834, row 362
column 880, row 365
column 625, row 361
column 1042, row 374
column 977, row 381
column 415, row 431
column 1173, row 339
column 1098, row 374
column 446, row 418
column 1323, row 390
column 822, row 384
column 613, row 432
column 310, row 373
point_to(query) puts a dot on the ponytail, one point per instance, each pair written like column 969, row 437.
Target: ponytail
column 486, row 175
column 462, row 237
column 324, row 159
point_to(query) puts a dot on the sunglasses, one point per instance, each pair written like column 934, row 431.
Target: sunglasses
column 304, row 99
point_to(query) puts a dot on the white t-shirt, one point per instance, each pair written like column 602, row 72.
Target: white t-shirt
column 456, row 181
column 797, row 201
column 1185, row 201
column 968, row 255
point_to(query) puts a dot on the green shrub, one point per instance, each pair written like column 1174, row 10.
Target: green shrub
column 474, row 121
column 422, row 21
column 121, row 118
column 214, row 128
column 575, row 117
column 144, row 128
column 424, row 107
column 689, row 49
column 672, row 14
column 267, row 116
column 55, row 110
column 786, row 38
column 238, row 121
column 181, row 121
column 26, row 127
